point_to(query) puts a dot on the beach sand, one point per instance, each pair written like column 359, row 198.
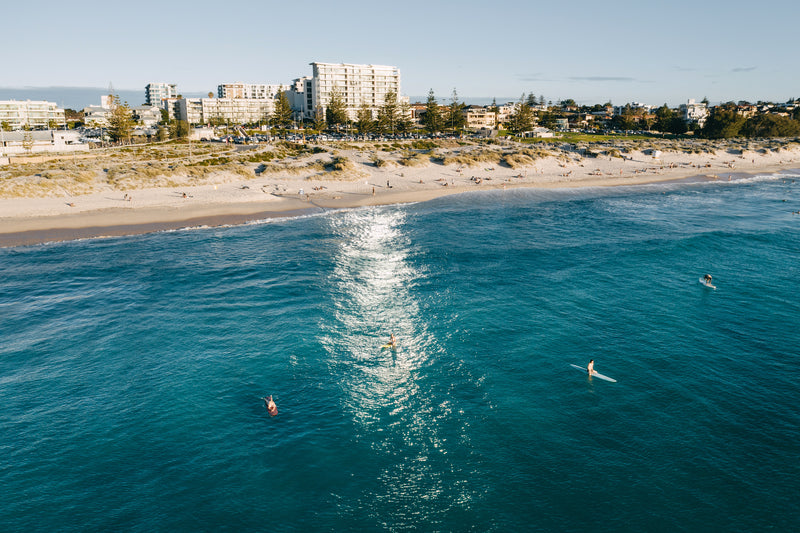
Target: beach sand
column 235, row 199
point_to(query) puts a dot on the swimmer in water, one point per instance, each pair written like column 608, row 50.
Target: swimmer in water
column 272, row 409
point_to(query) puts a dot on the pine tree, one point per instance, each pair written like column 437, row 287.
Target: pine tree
column 521, row 118
column 282, row 116
column 388, row 114
column 404, row 122
column 432, row 119
column 337, row 109
column 120, row 120
column 455, row 118
column 319, row 118
column 364, row 121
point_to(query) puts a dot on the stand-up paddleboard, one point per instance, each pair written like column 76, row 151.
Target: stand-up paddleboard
column 707, row 284
column 595, row 374
column 388, row 346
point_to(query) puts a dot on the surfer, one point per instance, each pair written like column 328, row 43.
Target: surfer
column 590, row 368
column 392, row 341
column 272, row 409
column 707, row 279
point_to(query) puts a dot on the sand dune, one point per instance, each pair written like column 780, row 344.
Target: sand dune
column 148, row 194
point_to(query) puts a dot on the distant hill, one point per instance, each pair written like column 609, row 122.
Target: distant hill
column 76, row 97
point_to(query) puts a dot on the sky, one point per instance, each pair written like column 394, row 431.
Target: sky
column 590, row 51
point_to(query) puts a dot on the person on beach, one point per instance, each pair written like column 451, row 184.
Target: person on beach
column 272, row 409
column 590, row 368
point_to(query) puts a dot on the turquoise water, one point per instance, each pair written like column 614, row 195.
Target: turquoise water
column 131, row 369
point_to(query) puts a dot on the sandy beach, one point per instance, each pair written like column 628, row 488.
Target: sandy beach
column 39, row 205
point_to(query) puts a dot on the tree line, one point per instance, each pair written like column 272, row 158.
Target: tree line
column 394, row 117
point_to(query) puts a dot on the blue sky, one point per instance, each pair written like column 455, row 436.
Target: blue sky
column 592, row 52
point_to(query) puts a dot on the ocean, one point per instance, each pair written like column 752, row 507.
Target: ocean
column 132, row 369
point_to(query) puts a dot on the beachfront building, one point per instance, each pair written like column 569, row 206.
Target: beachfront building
column 218, row 111
column 504, row 112
column 479, row 117
column 694, row 112
column 25, row 142
column 96, row 116
column 253, row 91
column 156, row 94
column 301, row 98
column 633, row 108
column 36, row 114
column 358, row 85
column 147, row 115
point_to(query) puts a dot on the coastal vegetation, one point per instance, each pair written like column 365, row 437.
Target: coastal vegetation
column 183, row 163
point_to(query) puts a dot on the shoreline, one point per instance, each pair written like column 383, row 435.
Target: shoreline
column 234, row 200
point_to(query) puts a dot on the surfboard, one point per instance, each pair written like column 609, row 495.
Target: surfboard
column 707, row 284
column 595, row 374
column 387, row 346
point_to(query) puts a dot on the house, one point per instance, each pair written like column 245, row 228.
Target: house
column 540, row 133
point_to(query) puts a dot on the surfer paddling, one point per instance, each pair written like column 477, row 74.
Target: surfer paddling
column 272, row 409
column 590, row 367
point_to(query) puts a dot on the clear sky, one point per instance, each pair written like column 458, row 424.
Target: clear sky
column 590, row 51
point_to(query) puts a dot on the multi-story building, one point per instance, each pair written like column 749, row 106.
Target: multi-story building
column 15, row 115
column 301, row 97
column 147, row 116
column 694, row 112
column 254, row 91
column 358, row 86
column 156, row 94
column 222, row 110
column 479, row 117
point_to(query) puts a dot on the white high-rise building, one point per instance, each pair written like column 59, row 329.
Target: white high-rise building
column 358, row 85
column 156, row 94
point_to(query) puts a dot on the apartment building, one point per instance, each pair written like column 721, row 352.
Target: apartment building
column 253, row 91
column 358, row 85
column 480, row 117
column 694, row 112
column 222, row 110
column 16, row 115
column 156, row 94
column 301, row 97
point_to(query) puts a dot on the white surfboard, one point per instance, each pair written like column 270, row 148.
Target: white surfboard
column 595, row 374
column 707, row 284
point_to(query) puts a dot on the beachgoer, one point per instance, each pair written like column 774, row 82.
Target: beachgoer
column 590, row 367
column 272, row 409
